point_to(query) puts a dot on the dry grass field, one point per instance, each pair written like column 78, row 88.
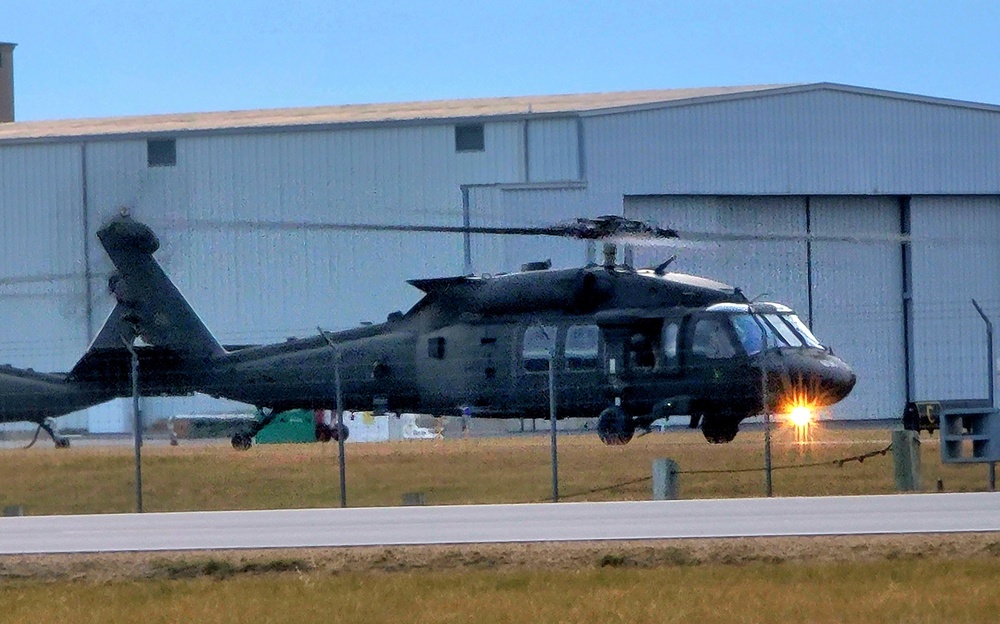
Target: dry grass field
column 192, row 476
column 937, row 578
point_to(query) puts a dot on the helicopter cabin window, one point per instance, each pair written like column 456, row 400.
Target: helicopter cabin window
column 711, row 339
column 582, row 344
column 435, row 348
column 668, row 341
column 539, row 342
column 642, row 347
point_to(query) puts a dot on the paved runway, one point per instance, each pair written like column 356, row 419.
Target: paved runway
column 840, row 515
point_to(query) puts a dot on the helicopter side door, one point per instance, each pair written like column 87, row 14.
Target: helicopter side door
column 651, row 369
column 716, row 368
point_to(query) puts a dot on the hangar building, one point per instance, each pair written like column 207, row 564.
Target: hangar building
column 824, row 159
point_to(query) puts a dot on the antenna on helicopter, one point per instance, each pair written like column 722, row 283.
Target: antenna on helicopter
column 661, row 269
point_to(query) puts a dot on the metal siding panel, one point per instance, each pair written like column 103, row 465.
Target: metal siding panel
column 41, row 240
column 553, row 150
column 823, row 142
column 776, row 270
column 858, row 300
column 497, row 206
column 255, row 286
column 949, row 337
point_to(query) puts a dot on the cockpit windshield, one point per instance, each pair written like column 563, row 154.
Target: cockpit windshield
column 802, row 330
column 758, row 332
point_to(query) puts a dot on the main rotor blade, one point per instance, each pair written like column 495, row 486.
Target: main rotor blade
column 806, row 237
column 292, row 226
column 600, row 228
column 613, row 229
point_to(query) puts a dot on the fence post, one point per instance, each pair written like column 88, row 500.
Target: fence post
column 665, row 479
column 906, row 460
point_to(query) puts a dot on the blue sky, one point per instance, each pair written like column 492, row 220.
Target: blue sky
column 95, row 58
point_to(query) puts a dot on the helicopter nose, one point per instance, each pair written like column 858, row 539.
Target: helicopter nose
column 811, row 377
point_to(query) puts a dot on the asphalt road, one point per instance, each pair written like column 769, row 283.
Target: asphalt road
column 841, row 515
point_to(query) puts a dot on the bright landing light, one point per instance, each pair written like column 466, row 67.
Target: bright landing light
column 800, row 416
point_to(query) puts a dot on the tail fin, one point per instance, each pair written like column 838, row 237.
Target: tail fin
column 104, row 357
column 147, row 300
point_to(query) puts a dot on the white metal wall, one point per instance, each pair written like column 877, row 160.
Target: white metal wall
column 956, row 257
column 257, row 286
column 820, row 142
column 553, row 150
column 858, row 299
column 770, row 271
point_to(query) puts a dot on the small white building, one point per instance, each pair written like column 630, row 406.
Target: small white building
column 822, row 159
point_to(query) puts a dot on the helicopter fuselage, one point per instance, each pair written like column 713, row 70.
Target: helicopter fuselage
column 480, row 346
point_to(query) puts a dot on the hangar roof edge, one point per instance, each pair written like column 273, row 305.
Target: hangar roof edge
column 437, row 111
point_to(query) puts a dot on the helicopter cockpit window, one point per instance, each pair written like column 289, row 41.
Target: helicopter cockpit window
column 582, row 343
column 789, row 337
column 802, row 330
column 538, row 343
column 750, row 333
column 711, row 339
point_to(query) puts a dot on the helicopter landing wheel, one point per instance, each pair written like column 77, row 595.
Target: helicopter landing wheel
column 615, row 427
column 336, row 433
column 242, row 441
column 719, row 430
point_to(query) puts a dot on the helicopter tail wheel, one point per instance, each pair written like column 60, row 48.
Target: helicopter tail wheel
column 49, row 426
column 719, row 430
column 242, row 441
column 615, row 427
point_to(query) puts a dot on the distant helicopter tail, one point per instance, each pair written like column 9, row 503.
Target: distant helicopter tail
column 148, row 302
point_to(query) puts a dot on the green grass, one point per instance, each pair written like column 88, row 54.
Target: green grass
column 451, row 471
column 884, row 591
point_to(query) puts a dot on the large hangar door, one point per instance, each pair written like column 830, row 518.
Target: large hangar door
column 769, row 270
column 955, row 258
column 857, row 293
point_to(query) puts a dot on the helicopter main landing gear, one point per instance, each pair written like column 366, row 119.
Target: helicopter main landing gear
column 719, row 429
column 615, row 427
column 331, row 433
column 243, row 440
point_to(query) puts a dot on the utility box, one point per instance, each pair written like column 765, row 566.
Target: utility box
column 291, row 427
column 970, row 434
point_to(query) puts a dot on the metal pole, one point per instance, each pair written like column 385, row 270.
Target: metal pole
column 767, row 452
column 768, row 484
column 340, row 415
column 552, row 421
column 340, row 429
column 989, row 367
column 136, row 425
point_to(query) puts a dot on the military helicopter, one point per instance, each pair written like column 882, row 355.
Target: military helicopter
column 627, row 346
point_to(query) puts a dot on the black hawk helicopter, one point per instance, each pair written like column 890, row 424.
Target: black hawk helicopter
column 626, row 346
